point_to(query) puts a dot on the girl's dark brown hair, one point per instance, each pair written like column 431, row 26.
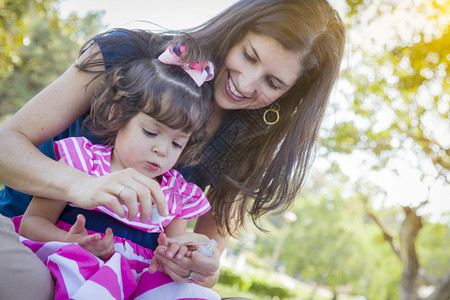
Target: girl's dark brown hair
column 164, row 92
column 272, row 161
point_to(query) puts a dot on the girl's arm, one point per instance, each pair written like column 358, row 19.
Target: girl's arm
column 25, row 168
column 38, row 222
column 176, row 227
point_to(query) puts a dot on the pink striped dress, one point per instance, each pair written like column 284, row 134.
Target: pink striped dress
column 81, row 275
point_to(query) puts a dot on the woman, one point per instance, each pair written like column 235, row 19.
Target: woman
column 276, row 64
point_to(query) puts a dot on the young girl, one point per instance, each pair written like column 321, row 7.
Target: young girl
column 151, row 114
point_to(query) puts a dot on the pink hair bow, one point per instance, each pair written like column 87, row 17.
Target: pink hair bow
column 194, row 70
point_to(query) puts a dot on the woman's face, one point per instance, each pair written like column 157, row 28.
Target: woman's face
column 256, row 72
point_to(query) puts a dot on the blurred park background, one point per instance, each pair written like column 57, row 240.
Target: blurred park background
column 373, row 220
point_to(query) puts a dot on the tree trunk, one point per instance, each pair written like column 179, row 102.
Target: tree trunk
column 409, row 230
column 441, row 290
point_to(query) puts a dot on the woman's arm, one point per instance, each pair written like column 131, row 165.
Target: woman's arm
column 25, row 168
column 51, row 111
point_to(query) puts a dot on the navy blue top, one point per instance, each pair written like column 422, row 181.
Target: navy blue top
column 218, row 154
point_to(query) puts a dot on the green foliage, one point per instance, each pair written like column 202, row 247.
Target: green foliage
column 14, row 23
column 433, row 244
column 39, row 47
column 264, row 287
column 329, row 249
column 254, row 283
column 232, row 278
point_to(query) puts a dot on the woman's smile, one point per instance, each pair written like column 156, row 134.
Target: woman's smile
column 256, row 72
column 232, row 91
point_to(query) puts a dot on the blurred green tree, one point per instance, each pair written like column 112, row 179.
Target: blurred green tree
column 38, row 46
column 394, row 107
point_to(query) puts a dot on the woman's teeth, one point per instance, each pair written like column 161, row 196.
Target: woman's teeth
column 233, row 89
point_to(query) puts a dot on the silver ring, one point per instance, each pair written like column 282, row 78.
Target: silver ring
column 121, row 190
column 189, row 276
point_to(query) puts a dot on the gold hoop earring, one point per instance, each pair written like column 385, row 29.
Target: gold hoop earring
column 274, row 108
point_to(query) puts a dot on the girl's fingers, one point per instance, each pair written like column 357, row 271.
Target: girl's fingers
column 78, row 226
column 189, row 239
column 173, row 249
column 89, row 240
column 162, row 239
column 155, row 265
column 109, row 236
column 181, row 252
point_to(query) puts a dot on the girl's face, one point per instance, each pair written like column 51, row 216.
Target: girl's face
column 256, row 72
column 148, row 146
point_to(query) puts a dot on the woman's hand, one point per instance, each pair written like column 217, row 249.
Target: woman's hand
column 176, row 257
column 134, row 188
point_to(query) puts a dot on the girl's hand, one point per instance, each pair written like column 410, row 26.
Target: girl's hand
column 139, row 190
column 179, row 267
column 163, row 247
column 102, row 248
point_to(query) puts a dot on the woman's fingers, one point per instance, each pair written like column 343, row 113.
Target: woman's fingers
column 112, row 202
column 175, row 271
column 207, row 266
column 159, row 199
column 178, row 273
column 143, row 190
column 128, row 196
column 126, row 188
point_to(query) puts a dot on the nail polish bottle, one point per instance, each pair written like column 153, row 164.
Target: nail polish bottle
column 207, row 248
